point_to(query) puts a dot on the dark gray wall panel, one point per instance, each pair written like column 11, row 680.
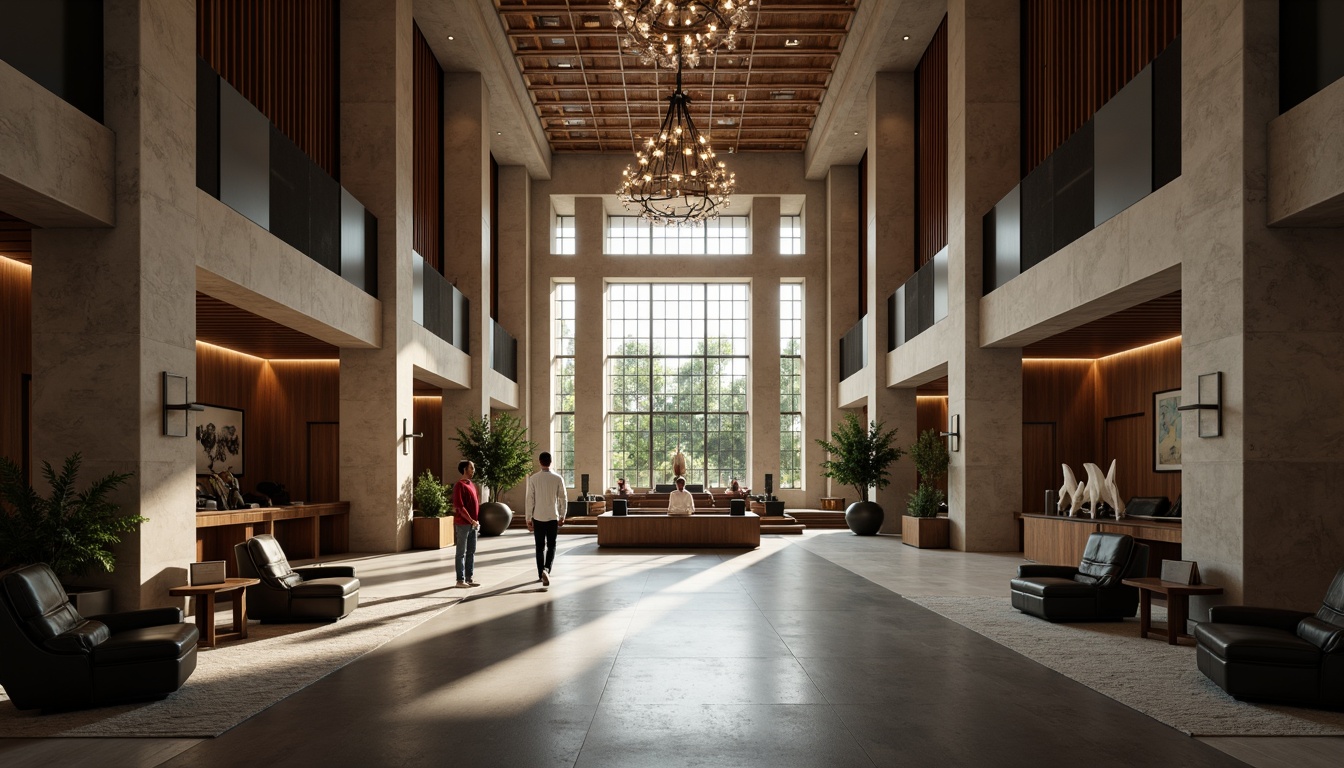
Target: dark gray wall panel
column 59, row 45
column 207, row 129
column 353, row 240
column 912, row 306
column 1124, row 148
column 418, row 288
column 940, row 285
column 1073, row 186
column 926, row 297
column 289, row 191
column 1167, row 115
column 370, row 254
column 244, row 157
column 1038, row 214
column 1003, row 240
column 324, row 217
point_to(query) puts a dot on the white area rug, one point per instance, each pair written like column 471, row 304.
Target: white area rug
column 1157, row 679
column 239, row 678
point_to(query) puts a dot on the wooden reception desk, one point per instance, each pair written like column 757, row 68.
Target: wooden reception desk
column 305, row 531
column 1057, row 540
column 698, row 530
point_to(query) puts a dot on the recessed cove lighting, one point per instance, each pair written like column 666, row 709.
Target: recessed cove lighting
column 792, row 42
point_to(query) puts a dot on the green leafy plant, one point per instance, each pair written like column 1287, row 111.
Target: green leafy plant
column 931, row 460
column 431, row 497
column 499, row 448
column 859, row 456
column 71, row 531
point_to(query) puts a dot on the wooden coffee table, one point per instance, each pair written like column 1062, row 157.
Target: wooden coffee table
column 1178, row 603
column 206, row 595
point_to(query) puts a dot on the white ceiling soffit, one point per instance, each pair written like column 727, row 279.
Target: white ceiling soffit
column 840, row 133
column 479, row 45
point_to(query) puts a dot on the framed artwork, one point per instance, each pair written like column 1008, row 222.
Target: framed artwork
column 219, row 440
column 1167, row 431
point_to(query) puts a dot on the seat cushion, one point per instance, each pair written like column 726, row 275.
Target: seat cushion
column 333, row 587
column 163, row 642
column 1239, row 643
column 1050, row 586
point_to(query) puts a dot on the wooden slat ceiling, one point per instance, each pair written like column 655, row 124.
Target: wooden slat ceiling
column 225, row 325
column 1152, row 321
column 763, row 97
column 16, row 238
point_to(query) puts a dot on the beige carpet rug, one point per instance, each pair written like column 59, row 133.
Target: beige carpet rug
column 1157, row 679
column 239, row 678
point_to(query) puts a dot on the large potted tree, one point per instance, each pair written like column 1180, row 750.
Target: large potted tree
column 921, row 527
column 72, row 531
column 858, row 456
column 432, row 526
column 499, row 448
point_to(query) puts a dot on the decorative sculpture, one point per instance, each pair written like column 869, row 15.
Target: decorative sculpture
column 1101, row 489
column 1079, row 495
column 1067, row 490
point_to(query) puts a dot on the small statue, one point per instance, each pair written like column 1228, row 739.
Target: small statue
column 1079, row 494
column 1101, row 489
column 1068, row 491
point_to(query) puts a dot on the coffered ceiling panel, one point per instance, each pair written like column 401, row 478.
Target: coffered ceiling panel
column 224, row 325
column 591, row 97
column 1146, row 323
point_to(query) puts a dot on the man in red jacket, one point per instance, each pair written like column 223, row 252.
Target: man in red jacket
column 466, row 523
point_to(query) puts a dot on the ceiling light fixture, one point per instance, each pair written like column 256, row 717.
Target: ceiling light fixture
column 792, row 42
column 666, row 31
column 677, row 179
column 905, row 37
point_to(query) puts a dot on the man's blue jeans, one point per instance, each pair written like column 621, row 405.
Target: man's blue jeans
column 466, row 551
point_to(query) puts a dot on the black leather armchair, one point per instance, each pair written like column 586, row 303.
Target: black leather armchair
column 53, row 658
column 313, row 593
column 1091, row 591
column 1273, row 654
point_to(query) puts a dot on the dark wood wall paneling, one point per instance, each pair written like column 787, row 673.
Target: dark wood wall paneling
column 1077, row 55
column 16, row 238
column 1078, row 411
column 428, row 450
column 931, row 148
column 280, row 400
column 16, row 356
column 930, row 413
column 283, row 57
column 428, row 206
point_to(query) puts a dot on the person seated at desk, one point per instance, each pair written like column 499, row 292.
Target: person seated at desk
column 736, row 491
column 680, row 501
column 622, row 489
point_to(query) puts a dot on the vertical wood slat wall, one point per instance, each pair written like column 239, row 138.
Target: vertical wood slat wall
column 1077, row 55
column 428, row 152
column 283, row 57
column 16, row 354
column 931, row 148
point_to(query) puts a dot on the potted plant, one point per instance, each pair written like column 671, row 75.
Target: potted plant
column 432, row 526
column 71, row 531
column 859, row 457
column 499, row 448
column 921, row 527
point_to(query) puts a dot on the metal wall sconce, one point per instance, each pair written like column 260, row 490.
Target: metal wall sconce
column 1209, row 404
column 953, row 434
column 406, row 437
column 175, row 403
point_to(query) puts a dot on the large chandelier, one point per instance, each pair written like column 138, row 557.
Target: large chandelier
column 670, row 31
column 677, row 179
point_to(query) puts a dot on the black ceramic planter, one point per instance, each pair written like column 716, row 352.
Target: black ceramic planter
column 864, row 518
column 495, row 518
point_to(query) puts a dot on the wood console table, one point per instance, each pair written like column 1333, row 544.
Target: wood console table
column 304, row 531
column 689, row 531
column 1178, row 604
column 205, row 596
column 1059, row 540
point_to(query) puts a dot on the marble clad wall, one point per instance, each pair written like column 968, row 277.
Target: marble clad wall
column 1306, row 162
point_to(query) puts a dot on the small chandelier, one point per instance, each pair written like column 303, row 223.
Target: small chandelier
column 664, row 31
column 678, row 180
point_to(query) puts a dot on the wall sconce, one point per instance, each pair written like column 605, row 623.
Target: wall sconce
column 406, row 437
column 174, row 403
column 953, row 434
column 1209, row 404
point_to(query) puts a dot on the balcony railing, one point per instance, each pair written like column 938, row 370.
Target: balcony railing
column 920, row 302
column 1128, row 150
column 59, row 44
column 245, row 162
column 437, row 305
column 853, row 350
column 505, row 358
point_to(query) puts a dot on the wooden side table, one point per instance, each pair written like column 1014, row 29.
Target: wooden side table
column 206, row 595
column 1178, row 603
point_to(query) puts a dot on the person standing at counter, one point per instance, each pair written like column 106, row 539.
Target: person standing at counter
column 680, row 501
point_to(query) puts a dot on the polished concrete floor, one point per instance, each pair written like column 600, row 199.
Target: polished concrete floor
column 801, row 653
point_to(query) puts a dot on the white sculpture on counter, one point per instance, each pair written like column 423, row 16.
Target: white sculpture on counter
column 1103, row 489
column 1079, row 496
column 1068, row 491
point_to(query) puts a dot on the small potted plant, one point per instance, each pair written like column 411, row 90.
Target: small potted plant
column 71, row 531
column 499, row 448
column 859, row 457
column 921, row 527
column 432, row 526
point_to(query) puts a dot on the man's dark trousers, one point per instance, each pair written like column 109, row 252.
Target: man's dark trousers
column 544, row 532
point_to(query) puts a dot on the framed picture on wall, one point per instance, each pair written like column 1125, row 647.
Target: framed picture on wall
column 1167, row 431
column 219, row 440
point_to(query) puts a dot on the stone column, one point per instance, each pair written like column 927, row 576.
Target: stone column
column 984, row 385
column 515, row 214
column 763, row 400
column 842, row 260
column 890, row 230
column 466, row 234
column 376, row 167
column 590, row 406
column 1261, row 306
column 115, row 308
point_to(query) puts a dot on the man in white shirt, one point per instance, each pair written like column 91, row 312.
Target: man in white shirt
column 680, row 501
column 545, row 512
